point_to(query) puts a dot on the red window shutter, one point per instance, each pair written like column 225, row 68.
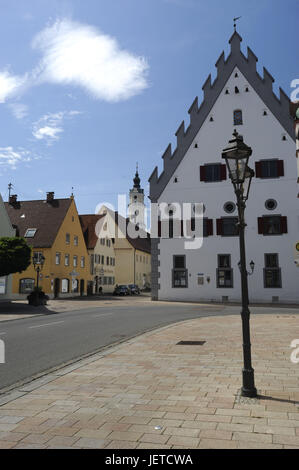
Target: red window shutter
column 280, row 168
column 284, row 225
column 219, row 226
column 258, row 169
column 223, row 172
column 260, row 224
column 202, row 173
column 210, row 226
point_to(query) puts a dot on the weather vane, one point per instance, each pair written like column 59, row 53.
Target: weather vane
column 235, row 20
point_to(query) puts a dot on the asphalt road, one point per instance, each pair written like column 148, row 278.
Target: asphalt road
column 37, row 344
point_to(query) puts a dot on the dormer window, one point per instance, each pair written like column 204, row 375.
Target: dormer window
column 236, row 75
column 236, row 90
column 238, row 117
column 30, row 232
column 226, row 92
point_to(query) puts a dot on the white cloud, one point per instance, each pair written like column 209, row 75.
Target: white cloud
column 9, row 85
column 49, row 127
column 11, row 158
column 19, row 110
column 80, row 55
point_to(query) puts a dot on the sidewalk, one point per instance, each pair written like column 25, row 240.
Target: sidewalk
column 152, row 393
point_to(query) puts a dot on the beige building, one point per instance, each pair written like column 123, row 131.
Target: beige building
column 116, row 256
column 101, row 252
column 6, row 230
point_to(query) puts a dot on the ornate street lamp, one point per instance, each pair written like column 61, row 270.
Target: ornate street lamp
column 236, row 156
column 38, row 263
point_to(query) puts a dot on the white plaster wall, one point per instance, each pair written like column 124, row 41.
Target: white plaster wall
column 264, row 135
column 6, row 230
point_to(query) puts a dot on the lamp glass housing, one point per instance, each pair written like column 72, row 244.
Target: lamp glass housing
column 236, row 156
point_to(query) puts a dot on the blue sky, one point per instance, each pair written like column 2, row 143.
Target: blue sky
column 89, row 88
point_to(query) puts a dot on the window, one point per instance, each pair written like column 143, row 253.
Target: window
column 107, row 260
column 75, row 261
column 227, row 226
column 207, row 226
column 108, row 242
column 271, row 204
column 103, row 260
column 66, row 260
column 82, row 261
column 65, row 286
column 272, row 168
column 3, row 284
column 179, row 272
column 57, row 258
column 212, row 172
column 229, row 207
column 238, row 118
column 76, row 240
column 26, row 286
column 224, row 272
column 67, row 238
column 272, row 225
column 272, row 271
column 30, row 232
column 75, row 285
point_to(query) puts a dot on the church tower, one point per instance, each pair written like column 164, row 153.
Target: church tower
column 136, row 208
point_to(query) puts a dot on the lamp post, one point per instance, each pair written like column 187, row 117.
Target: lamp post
column 38, row 263
column 236, row 156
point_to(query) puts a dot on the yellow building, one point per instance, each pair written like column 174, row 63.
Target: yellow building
column 101, row 252
column 52, row 228
column 132, row 255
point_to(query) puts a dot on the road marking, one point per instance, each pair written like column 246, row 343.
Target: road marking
column 103, row 315
column 46, row 324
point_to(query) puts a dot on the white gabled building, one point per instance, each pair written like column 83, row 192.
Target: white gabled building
column 6, row 230
column 239, row 98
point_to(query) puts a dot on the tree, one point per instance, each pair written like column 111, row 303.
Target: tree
column 15, row 255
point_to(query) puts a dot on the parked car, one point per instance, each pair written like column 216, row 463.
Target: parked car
column 122, row 290
column 134, row 289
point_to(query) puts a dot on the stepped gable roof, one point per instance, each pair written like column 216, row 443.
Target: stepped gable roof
column 88, row 223
column 139, row 243
column 44, row 216
column 280, row 108
column 294, row 110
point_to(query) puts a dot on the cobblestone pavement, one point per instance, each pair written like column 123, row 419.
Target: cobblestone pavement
column 152, row 393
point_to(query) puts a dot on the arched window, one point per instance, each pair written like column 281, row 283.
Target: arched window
column 75, row 285
column 26, row 286
column 238, row 119
column 65, row 286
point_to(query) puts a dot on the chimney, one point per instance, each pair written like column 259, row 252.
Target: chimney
column 50, row 197
column 13, row 199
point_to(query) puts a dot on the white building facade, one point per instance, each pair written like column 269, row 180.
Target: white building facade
column 239, row 98
column 6, row 230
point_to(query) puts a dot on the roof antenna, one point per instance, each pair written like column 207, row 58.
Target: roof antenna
column 235, row 22
column 72, row 195
column 10, row 186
